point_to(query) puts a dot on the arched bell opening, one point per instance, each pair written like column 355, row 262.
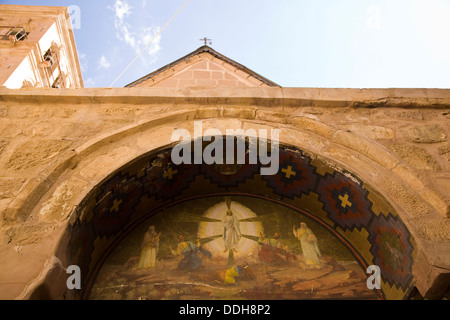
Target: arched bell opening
column 338, row 208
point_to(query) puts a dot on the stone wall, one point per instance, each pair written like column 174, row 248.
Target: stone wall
column 203, row 70
column 57, row 145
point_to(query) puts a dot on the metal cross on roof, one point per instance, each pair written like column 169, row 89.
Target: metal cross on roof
column 206, row 41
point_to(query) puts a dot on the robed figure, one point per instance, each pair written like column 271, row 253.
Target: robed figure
column 309, row 245
column 149, row 249
column 189, row 250
column 231, row 231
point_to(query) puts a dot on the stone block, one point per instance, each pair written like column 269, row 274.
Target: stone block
column 183, row 75
column 239, row 112
column 401, row 196
column 433, row 229
column 10, row 186
column 3, row 111
column 154, row 139
column 312, row 125
column 36, row 152
column 167, row 83
column 215, row 66
column 437, row 201
column 408, row 176
column 228, row 83
column 218, row 75
column 365, row 147
column 201, row 65
column 61, row 203
column 429, row 133
column 229, row 76
column 206, row 82
column 241, row 84
column 430, row 280
column 202, row 75
column 415, row 156
column 186, row 83
column 205, row 113
column 99, row 166
column 370, row 131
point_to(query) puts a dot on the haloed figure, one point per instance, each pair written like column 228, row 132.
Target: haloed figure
column 150, row 246
column 231, row 232
column 310, row 248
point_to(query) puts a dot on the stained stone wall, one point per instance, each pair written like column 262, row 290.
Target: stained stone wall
column 56, row 146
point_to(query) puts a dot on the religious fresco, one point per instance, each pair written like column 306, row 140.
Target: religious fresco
column 153, row 191
column 231, row 247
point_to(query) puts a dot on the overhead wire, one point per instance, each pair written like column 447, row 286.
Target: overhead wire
column 143, row 50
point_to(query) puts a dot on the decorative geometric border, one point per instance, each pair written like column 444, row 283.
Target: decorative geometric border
column 295, row 175
column 342, row 195
column 345, row 201
column 392, row 249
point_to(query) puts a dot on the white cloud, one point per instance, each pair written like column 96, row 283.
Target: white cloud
column 373, row 21
column 89, row 83
column 83, row 62
column 122, row 9
column 135, row 36
column 103, row 63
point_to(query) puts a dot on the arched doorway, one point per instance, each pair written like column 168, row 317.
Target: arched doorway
column 353, row 224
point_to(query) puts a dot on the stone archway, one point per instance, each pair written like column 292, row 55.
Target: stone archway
column 103, row 156
column 123, row 198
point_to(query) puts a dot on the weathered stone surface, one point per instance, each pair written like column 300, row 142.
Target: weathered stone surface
column 433, row 229
column 3, row 144
column 312, row 125
column 413, row 180
column 26, row 234
column 10, row 185
column 59, row 205
column 414, row 206
column 50, row 283
column 205, row 113
column 444, row 151
column 3, row 111
column 239, row 112
column 371, row 132
column 365, row 147
column 9, row 129
column 309, row 141
column 99, row 166
column 155, row 139
column 430, row 280
column 35, row 152
column 91, row 122
column 444, row 185
column 41, row 128
column 415, row 156
column 430, row 133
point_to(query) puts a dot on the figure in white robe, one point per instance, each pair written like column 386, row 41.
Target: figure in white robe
column 150, row 246
column 309, row 244
column 231, row 232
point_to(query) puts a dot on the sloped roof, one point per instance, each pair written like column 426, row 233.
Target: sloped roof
column 205, row 49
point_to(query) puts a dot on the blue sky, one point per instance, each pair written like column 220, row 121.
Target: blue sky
column 295, row 43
